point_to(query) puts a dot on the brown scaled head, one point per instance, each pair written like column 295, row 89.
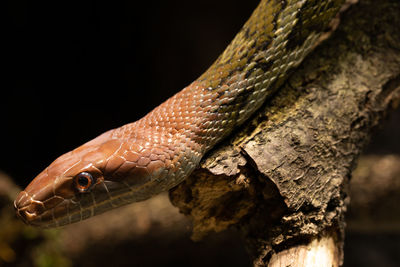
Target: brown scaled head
column 89, row 180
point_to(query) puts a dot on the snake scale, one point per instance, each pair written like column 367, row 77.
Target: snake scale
column 143, row 158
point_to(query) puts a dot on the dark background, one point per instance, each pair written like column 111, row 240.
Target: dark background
column 76, row 69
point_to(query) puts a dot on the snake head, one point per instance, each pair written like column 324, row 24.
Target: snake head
column 100, row 175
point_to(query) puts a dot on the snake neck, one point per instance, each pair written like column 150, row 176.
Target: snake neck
column 273, row 42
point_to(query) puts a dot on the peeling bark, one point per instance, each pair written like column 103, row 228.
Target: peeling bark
column 282, row 179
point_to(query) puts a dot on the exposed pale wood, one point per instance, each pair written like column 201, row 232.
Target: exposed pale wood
column 320, row 252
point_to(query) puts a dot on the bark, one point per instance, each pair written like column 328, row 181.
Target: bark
column 282, row 179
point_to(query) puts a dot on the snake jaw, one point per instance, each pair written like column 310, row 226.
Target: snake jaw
column 52, row 199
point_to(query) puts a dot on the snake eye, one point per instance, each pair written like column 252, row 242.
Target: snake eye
column 83, row 181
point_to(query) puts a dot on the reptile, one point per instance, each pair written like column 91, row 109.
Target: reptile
column 141, row 159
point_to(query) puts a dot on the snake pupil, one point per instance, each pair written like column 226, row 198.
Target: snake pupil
column 83, row 181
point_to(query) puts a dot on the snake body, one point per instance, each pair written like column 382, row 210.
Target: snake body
column 141, row 159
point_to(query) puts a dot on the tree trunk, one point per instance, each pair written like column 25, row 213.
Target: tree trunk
column 282, row 179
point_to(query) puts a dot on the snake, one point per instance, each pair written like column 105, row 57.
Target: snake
column 157, row 152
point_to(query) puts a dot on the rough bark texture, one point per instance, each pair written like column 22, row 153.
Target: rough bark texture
column 282, row 179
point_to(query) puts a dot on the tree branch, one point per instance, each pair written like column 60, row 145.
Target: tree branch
column 282, row 179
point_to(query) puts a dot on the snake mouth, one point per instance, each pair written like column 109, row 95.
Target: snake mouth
column 44, row 209
column 31, row 215
column 29, row 218
column 57, row 211
column 37, row 213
